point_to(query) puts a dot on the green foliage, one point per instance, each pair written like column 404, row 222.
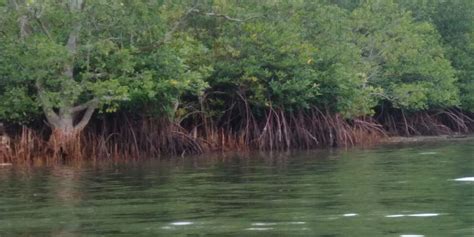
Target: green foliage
column 109, row 62
column 262, row 62
column 17, row 106
column 165, row 58
column 169, row 74
column 405, row 58
column 268, row 63
column 341, row 71
column 454, row 21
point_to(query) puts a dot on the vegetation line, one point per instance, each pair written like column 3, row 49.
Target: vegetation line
column 118, row 79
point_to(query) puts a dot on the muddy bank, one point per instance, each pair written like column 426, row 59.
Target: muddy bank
column 415, row 139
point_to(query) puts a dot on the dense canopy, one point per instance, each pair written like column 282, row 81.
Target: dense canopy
column 67, row 61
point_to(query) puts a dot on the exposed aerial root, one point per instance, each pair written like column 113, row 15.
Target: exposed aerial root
column 125, row 138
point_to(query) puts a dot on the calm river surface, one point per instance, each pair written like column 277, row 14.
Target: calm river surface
column 410, row 190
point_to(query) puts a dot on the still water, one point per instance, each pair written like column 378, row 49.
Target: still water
column 410, row 190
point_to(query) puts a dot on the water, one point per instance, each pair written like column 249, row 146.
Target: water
column 415, row 190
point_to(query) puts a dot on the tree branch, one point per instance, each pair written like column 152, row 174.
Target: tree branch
column 51, row 116
column 76, row 109
column 169, row 35
column 13, row 5
column 74, row 6
column 86, row 117
column 43, row 28
column 229, row 18
column 22, row 20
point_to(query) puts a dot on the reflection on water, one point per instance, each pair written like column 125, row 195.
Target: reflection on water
column 350, row 214
column 465, row 179
column 422, row 190
column 182, row 223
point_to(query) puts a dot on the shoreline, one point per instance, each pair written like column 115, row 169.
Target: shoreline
column 420, row 139
column 394, row 140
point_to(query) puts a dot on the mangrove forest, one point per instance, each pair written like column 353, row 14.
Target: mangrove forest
column 129, row 79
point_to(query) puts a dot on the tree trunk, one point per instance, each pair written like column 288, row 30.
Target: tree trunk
column 65, row 136
column 65, row 133
column 64, row 139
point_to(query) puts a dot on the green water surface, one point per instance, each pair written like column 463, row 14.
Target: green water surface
column 408, row 190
